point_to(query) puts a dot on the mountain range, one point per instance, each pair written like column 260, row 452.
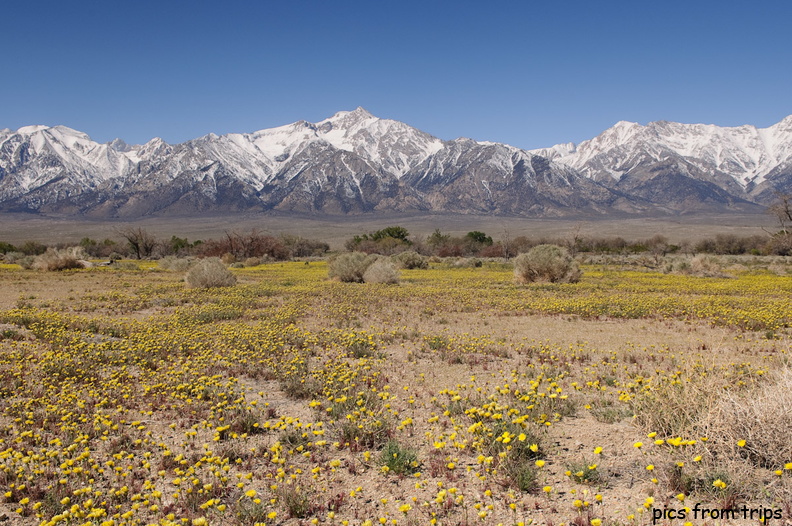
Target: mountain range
column 355, row 163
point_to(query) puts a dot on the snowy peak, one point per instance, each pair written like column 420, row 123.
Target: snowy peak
column 119, row 145
column 358, row 114
column 394, row 145
column 745, row 153
column 354, row 162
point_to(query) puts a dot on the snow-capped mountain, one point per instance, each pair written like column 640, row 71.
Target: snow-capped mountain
column 738, row 159
column 354, row 162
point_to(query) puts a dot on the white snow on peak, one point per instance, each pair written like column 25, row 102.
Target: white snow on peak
column 357, row 113
column 392, row 144
column 28, row 130
column 745, row 152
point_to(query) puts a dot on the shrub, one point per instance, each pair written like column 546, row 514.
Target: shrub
column 707, row 267
column 382, row 271
column 584, row 472
column 175, row 264
column 26, row 262
column 14, row 257
column 209, row 272
column 349, row 267
column 411, row 260
column 238, row 247
column 522, row 475
column 468, row 263
column 399, row 459
column 60, row 259
column 546, row 263
column 368, row 433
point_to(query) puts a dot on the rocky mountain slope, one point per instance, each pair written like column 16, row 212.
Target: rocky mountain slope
column 354, row 162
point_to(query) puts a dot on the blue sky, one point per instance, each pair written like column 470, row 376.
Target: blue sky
column 531, row 74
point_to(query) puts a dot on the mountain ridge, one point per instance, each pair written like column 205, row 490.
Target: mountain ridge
column 356, row 163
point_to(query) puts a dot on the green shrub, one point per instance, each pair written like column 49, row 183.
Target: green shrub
column 399, row 459
column 208, row 273
column 523, row 476
column 583, row 472
column 546, row 263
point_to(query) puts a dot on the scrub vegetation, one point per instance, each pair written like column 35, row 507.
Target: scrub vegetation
column 456, row 393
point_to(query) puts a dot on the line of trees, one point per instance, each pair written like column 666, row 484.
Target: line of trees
column 139, row 243
column 395, row 239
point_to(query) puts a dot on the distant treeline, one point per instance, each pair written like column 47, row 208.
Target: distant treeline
column 137, row 243
column 393, row 240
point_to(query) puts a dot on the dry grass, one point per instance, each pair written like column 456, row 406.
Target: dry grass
column 761, row 417
column 706, row 266
column 61, row 259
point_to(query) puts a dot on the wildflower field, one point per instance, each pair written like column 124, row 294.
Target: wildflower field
column 457, row 397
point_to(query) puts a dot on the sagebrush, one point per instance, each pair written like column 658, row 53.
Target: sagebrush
column 61, row 259
column 382, row 271
column 349, row 267
column 208, row 273
column 546, row 263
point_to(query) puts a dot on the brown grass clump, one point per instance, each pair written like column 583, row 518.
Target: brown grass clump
column 546, row 263
column 60, row 259
column 208, row 273
column 382, row 271
column 761, row 418
column 674, row 408
column 706, row 267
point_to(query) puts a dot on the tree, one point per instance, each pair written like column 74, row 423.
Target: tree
column 6, row 247
column 781, row 241
column 782, row 210
column 141, row 242
column 437, row 238
column 479, row 237
column 396, row 232
column 389, row 240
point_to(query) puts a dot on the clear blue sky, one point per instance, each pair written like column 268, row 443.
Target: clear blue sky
column 530, row 74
